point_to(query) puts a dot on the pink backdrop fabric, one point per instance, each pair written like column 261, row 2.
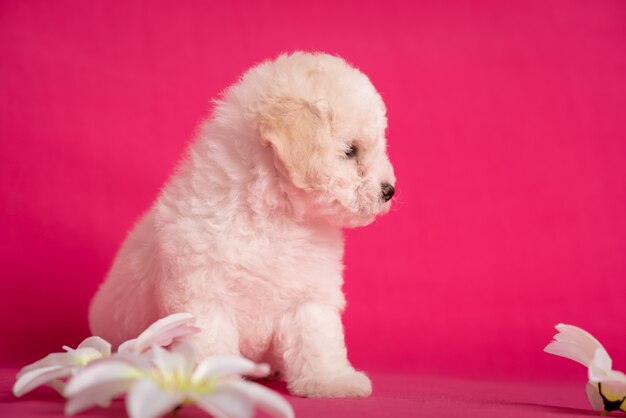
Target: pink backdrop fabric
column 507, row 129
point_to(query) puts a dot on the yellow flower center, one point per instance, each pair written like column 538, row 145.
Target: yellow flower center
column 83, row 359
column 181, row 382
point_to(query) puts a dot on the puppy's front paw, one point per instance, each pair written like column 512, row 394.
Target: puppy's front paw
column 347, row 385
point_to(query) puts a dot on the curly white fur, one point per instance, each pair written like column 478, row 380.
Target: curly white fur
column 246, row 235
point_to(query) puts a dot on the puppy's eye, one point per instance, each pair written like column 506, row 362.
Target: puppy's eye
column 351, row 152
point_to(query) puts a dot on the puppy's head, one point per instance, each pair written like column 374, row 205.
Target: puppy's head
column 325, row 124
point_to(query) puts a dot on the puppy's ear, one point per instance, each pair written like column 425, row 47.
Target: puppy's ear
column 299, row 133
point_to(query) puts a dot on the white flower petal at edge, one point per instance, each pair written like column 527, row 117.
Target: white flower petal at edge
column 35, row 378
column 575, row 344
column 173, row 379
column 57, row 366
column 606, row 388
column 162, row 333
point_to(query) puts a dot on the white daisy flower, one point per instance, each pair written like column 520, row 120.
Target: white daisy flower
column 167, row 380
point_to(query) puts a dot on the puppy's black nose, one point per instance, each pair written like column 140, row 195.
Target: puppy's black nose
column 387, row 191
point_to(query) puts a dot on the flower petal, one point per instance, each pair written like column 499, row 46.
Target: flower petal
column 97, row 394
column 225, row 365
column 163, row 330
column 54, row 359
column 141, row 362
column 574, row 343
column 127, row 346
column 172, row 363
column 169, row 336
column 226, row 402
column 596, row 401
column 267, row 400
column 35, row 378
column 103, row 346
column 600, row 366
column 57, row 385
column 146, row 400
column 79, row 404
column 105, row 371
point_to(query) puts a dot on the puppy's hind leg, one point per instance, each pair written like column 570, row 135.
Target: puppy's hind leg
column 218, row 328
column 219, row 334
column 311, row 342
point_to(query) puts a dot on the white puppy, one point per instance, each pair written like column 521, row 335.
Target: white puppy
column 246, row 235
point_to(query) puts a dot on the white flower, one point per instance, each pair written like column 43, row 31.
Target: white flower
column 606, row 388
column 154, row 380
column 168, row 379
column 56, row 366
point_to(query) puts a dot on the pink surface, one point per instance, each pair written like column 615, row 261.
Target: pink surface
column 507, row 130
column 396, row 395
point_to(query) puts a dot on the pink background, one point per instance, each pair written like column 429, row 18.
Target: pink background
column 507, row 129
